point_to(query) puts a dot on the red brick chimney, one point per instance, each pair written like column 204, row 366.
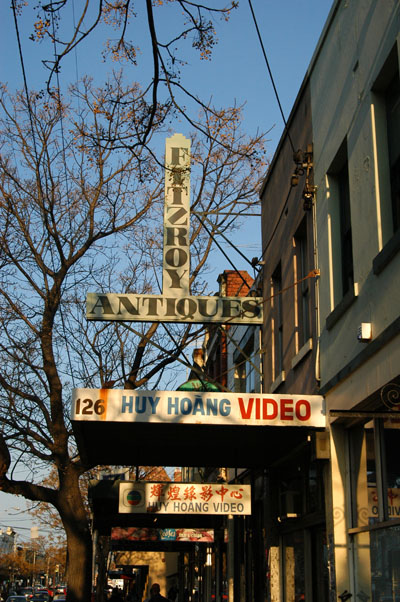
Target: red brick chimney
column 234, row 283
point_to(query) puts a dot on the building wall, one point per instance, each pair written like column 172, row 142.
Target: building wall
column 282, row 215
column 357, row 43
column 295, row 536
column 218, row 361
column 354, row 57
column 7, row 541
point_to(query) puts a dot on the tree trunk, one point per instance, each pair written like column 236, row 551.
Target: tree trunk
column 79, row 562
column 103, row 548
column 74, row 516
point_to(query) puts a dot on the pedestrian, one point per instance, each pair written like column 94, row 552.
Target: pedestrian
column 155, row 595
column 116, row 595
column 172, row 593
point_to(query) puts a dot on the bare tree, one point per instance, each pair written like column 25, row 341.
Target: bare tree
column 154, row 38
column 80, row 211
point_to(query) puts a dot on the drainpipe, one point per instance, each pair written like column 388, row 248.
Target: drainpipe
column 317, row 316
column 230, row 548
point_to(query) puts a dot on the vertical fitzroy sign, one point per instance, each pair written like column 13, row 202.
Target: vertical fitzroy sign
column 175, row 304
column 176, row 258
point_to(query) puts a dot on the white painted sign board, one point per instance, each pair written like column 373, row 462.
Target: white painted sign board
column 176, row 304
column 190, row 407
column 142, row 497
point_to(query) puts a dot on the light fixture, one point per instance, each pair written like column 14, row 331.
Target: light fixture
column 364, row 332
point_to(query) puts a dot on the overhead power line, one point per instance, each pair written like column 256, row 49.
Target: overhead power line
column 278, row 221
column 270, row 74
column 222, row 251
column 21, row 58
column 235, row 247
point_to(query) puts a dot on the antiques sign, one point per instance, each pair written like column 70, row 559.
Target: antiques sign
column 191, row 407
column 175, row 304
column 143, row 497
column 158, row 308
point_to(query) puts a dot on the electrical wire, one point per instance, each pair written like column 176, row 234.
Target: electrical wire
column 185, row 363
column 247, row 358
column 21, row 58
column 278, row 221
column 221, row 249
column 228, row 241
column 199, row 373
column 270, row 74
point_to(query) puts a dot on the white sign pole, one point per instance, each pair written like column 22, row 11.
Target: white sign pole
column 176, row 251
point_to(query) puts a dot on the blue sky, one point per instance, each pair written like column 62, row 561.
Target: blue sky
column 237, row 73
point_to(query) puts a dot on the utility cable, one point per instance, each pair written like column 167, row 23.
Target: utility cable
column 75, row 52
column 247, row 358
column 221, row 249
column 278, row 221
column 228, row 241
column 185, row 363
column 270, row 75
column 21, row 58
column 200, row 375
column 39, row 181
column 58, row 99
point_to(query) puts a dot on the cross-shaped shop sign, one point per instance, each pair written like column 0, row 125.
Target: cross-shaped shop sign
column 176, row 304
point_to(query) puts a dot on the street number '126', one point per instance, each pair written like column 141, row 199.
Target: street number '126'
column 88, row 406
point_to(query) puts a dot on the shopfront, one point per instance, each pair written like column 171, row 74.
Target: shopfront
column 282, row 551
column 370, row 528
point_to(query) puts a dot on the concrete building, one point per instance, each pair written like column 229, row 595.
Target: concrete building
column 296, row 546
column 355, row 106
column 221, row 346
column 7, row 541
column 339, row 335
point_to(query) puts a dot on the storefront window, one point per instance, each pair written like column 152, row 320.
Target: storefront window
column 372, row 513
column 315, row 498
column 375, row 471
column 298, row 486
column 379, row 579
column 392, row 444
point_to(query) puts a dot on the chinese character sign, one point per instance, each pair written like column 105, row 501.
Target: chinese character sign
column 184, row 498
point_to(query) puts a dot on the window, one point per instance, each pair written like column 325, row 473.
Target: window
column 277, row 323
column 392, row 98
column 375, row 497
column 302, row 268
column 342, row 247
column 345, row 230
column 386, row 132
column 245, row 369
